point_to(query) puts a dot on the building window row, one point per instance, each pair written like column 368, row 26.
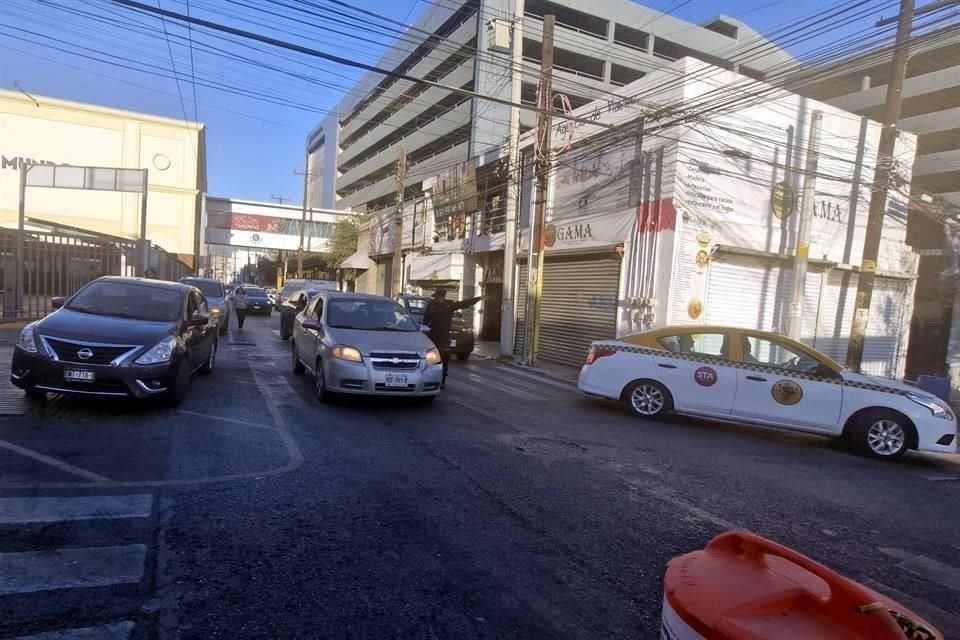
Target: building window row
column 565, row 60
column 441, row 144
column 448, row 104
column 437, row 73
column 567, row 17
column 448, row 27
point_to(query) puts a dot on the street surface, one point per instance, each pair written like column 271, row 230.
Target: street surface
column 510, row 508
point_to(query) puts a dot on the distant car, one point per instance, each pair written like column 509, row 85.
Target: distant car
column 359, row 344
column 766, row 379
column 293, row 305
column 290, row 285
column 462, row 339
column 258, row 302
column 118, row 338
column 216, row 295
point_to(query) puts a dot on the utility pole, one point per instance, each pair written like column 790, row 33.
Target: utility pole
column 537, row 247
column 512, row 201
column 397, row 271
column 303, row 214
column 881, row 180
column 807, row 202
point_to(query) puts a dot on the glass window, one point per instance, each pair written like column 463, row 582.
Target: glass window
column 774, row 353
column 368, row 315
column 705, row 344
column 210, row 288
column 315, row 308
column 129, row 300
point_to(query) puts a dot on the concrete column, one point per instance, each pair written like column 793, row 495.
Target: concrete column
column 130, row 202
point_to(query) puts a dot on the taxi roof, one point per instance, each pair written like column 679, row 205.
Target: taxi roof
column 714, row 328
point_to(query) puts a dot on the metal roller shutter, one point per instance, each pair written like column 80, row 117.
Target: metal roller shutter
column 579, row 306
column 521, row 305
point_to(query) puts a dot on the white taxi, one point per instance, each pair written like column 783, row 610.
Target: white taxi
column 766, row 379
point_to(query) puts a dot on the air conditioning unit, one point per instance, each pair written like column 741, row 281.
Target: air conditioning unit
column 498, row 35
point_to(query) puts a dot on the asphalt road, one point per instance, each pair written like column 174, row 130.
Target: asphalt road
column 510, row 508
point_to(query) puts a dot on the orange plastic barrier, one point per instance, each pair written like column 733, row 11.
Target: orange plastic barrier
column 744, row 587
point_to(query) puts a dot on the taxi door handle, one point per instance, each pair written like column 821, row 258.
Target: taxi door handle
column 667, row 366
column 756, row 378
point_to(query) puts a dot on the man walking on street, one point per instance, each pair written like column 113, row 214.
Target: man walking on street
column 439, row 316
column 240, row 304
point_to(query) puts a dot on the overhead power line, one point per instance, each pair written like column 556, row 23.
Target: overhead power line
column 343, row 61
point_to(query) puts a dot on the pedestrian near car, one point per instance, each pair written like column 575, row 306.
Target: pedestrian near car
column 240, row 304
column 439, row 317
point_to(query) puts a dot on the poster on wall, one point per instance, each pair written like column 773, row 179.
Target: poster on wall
column 591, row 196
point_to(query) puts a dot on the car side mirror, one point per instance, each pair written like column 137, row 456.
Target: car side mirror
column 199, row 320
column 58, row 302
column 311, row 324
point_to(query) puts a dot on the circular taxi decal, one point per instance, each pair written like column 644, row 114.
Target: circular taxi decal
column 694, row 308
column 705, row 376
column 787, row 392
column 703, row 238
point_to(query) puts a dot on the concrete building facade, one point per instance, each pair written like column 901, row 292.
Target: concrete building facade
column 37, row 129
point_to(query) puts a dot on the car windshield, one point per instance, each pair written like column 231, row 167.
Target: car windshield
column 128, row 300
column 418, row 305
column 254, row 292
column 368, row 315
column 288, row 290
column 209, row 288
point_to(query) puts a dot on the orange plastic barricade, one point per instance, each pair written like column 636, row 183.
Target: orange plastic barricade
column 744, row 587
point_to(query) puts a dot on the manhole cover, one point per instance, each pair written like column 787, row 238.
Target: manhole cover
column 548, row 445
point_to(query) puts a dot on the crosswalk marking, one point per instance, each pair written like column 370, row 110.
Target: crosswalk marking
column 53, row 462
column 115, row 631
column 56, row 509
column 943, row 574
column 474, row 379
column 33, row 571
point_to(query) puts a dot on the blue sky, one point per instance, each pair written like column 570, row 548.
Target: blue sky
column 253, row 146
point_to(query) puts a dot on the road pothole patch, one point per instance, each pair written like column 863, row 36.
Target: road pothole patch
column 549, row 446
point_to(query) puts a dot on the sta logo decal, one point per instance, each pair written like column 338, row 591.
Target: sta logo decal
column 705, row 376
column 787, row 392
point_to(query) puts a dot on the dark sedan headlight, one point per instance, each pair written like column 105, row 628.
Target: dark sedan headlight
column 159, row 353
column 28, row 338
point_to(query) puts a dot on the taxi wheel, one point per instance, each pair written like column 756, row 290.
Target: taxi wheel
column 881, row 434
column 320, row 385
column 648, row 399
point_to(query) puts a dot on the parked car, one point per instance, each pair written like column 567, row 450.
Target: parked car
column 216, row 295
column 462, row 338
column 293, row 305
column 291, row 285
column 359, row 344
column 118, row 337
column 258, row 302
column 766, row 379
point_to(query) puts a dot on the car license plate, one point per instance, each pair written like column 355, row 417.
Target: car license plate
column 79, row 375
column 256, row 306
column 395, row 380
column 453, row 343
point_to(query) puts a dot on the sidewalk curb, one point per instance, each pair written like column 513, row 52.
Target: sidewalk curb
column 508, row 363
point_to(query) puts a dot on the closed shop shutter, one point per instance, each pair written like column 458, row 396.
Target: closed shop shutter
column 579, row 306
column 755, row 293
column 884, row 350
column 521, row 305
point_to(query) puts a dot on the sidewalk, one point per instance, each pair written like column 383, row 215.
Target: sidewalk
column 565, row 373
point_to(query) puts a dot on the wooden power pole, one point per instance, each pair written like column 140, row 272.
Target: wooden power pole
column 881, row 181
column 542, row 152
column 397, row 271
column 303, row 214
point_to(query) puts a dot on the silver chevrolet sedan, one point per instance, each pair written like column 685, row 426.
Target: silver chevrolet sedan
column 359, row 344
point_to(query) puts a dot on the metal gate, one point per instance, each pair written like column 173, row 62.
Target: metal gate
column 579, row 306
column 520, row 332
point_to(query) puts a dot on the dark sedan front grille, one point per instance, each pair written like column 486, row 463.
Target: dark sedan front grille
column 95, row 353
column 395, row 361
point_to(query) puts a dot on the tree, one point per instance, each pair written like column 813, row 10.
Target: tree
column 343, row 244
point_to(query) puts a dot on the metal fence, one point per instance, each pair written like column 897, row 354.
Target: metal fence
column 57, row 262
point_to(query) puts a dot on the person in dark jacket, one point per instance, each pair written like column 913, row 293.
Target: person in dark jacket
column 439, row 317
